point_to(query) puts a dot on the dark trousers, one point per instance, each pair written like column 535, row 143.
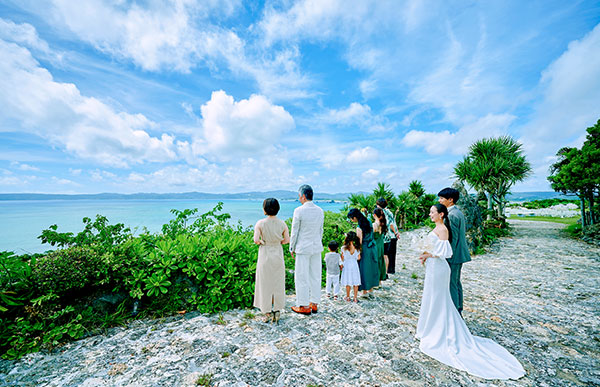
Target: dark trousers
column 456, row 291
column 390, row 251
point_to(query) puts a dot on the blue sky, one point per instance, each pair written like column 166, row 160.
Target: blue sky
column 232, row 96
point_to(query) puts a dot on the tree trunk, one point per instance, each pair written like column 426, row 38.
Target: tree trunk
column 582, row 200
column 490, row 206
column 591, row 200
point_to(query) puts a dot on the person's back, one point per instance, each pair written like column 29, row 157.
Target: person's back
column 306, row 245
column 307, row 232
column 332, row 263
column 272, row 230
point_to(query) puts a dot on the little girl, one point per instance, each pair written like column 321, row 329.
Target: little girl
column 350, row 272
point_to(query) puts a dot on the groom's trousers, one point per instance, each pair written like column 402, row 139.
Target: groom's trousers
column 307, row 276
column 456, row 291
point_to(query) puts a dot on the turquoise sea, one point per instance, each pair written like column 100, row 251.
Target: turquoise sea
column 22, row 221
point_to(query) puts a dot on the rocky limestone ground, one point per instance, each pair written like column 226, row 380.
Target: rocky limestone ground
column 536, row 293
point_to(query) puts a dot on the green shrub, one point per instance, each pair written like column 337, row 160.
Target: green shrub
column 66, row 270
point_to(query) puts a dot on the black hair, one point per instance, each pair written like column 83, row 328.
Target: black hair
column 351, row 237
column 333, row 245
column 441, row 209
column 449, row 193
column 271, row 206
column 381, row 202
column 307, row 191
column 363, row 222
column 382, row 220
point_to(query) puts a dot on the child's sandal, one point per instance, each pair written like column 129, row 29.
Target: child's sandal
column 347, row 299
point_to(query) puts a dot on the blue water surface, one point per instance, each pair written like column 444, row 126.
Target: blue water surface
column 22, row 221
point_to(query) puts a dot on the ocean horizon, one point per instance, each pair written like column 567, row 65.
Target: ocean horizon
column 22, row 221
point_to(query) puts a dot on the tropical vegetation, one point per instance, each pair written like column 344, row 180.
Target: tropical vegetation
column 577, row 171
column 491, row 167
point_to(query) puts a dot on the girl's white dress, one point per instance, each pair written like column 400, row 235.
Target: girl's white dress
column 350, row 272
column 443, row 333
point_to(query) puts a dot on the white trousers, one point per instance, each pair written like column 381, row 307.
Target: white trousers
column 332, row 281
column 307, row 277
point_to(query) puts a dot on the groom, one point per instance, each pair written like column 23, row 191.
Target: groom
column 306, row 242
column 460, row 250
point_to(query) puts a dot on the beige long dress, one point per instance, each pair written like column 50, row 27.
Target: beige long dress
column 269, row 293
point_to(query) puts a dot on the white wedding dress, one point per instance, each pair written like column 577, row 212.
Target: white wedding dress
column 443, row 333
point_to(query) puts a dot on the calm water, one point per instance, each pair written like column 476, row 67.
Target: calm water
column 22, row 221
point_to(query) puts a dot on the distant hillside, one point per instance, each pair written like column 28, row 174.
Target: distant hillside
column 281, row 195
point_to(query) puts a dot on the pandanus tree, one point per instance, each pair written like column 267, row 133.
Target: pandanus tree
column 492, row 166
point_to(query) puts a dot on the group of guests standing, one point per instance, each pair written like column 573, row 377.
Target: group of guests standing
column 367, row 256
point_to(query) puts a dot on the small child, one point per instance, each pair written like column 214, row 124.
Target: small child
column 333, row 264
column 350, row 258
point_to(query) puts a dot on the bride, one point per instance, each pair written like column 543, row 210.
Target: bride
column 443, row 333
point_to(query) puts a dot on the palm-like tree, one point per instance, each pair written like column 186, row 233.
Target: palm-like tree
column 493, row 166
column 416, row 188
column 362, row 201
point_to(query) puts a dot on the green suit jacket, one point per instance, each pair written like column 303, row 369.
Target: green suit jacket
column 458, row 225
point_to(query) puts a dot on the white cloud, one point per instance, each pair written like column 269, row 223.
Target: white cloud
column 370, row 174
column 23, row 34
column 570, row 103
column 458, row 143
column 23, row 166
column 156, row 35
column 359, row 115
column 362, row 155
column 61, row 181
column 260, row 174
column 83, row 125
column 98, row 175
column 181, row 35
column 246, row 127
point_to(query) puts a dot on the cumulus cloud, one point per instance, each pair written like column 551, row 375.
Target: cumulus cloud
column 246, row 127
column 82, row 125
column 156, row 35
column 370, row 174
column 362, row 155
column 261, row 174
column 23, row 34
column 359, row 115
column 181, row 35
column 437, row 143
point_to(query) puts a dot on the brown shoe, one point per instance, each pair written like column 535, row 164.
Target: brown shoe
column 302, row 309
column 313, row 307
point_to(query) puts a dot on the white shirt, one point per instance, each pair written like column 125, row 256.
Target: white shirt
column 307, row 229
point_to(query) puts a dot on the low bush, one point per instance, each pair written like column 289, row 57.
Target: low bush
column 67, row 270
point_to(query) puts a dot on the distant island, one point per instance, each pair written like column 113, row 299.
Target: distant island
column 279, row 194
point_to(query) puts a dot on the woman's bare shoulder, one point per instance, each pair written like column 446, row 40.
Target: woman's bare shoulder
column 441, row 232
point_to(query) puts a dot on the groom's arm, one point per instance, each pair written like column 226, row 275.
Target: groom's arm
column 455, row 227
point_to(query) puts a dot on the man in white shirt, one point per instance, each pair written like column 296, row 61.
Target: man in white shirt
column 306, row 246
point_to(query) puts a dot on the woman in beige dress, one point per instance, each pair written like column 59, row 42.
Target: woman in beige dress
column 270, row 233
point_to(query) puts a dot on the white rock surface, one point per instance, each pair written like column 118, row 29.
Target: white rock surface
column 536, row 293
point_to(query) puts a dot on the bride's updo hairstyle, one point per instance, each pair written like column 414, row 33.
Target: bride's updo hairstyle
column 441, row 209
column 363, row 222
